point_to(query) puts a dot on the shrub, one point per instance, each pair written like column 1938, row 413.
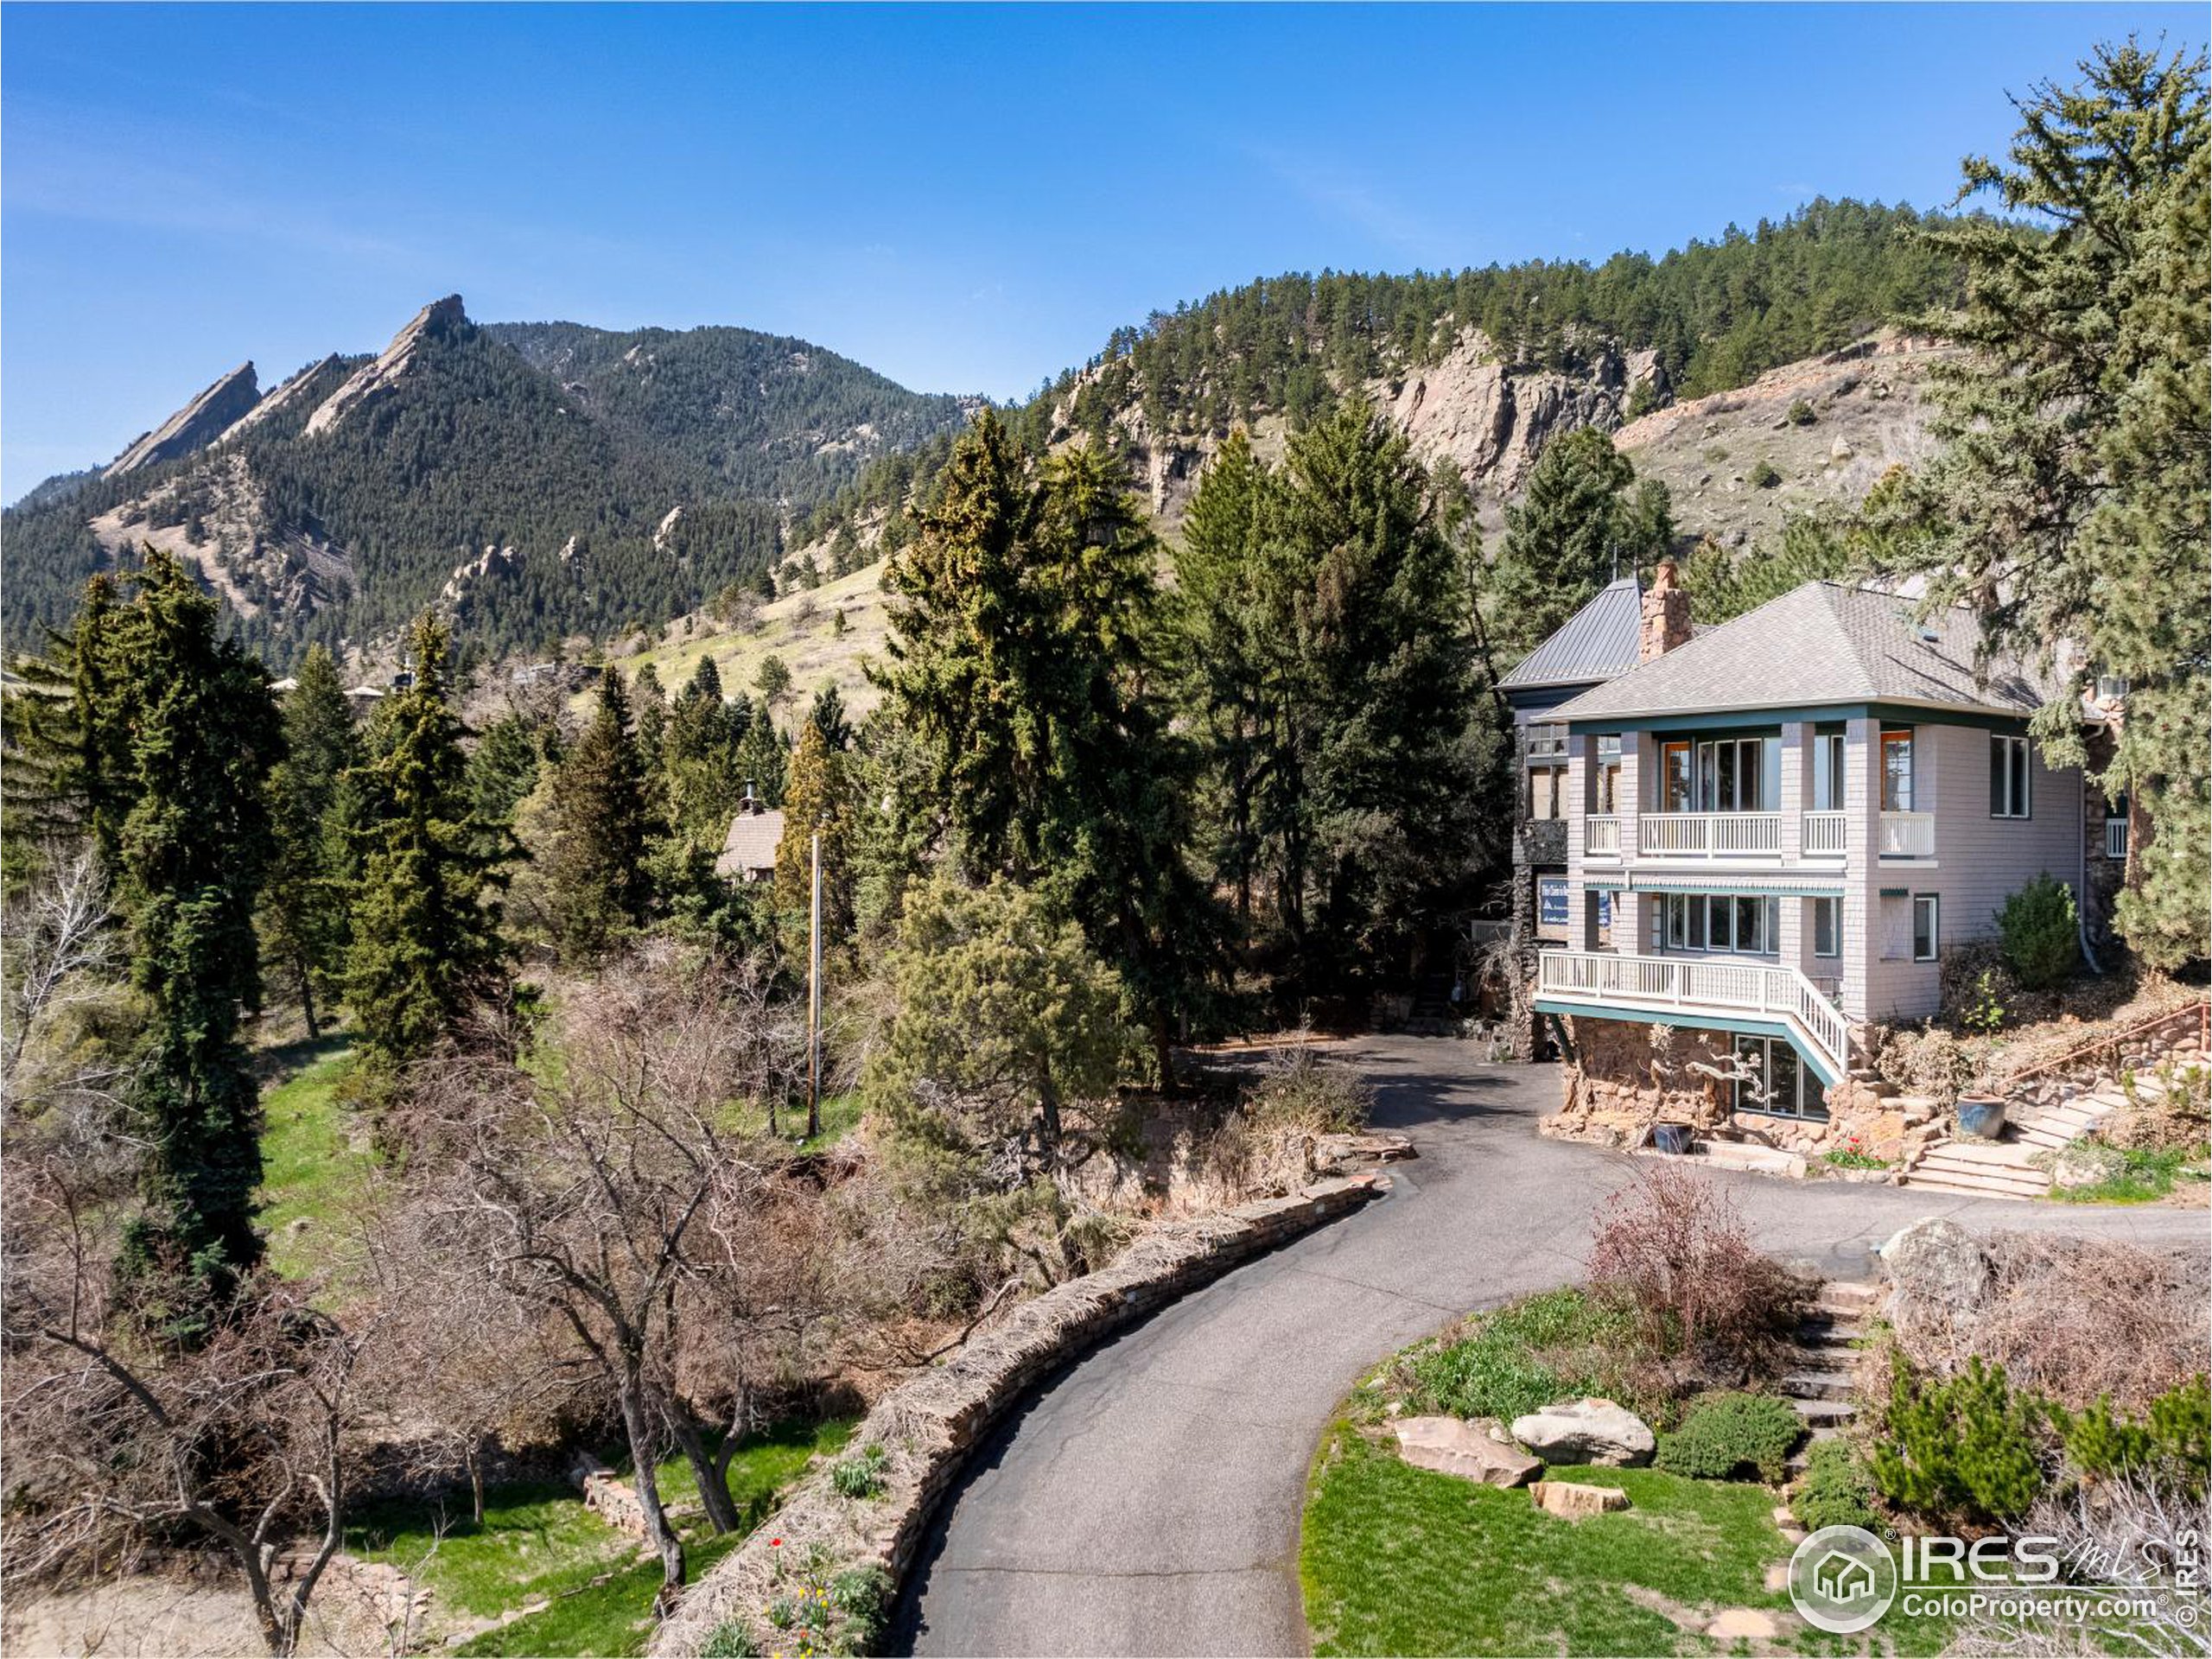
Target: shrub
column 1965, row 1447
column 1764, row 476
column 1801, row 413
column 2038, row 933
column 1726, row 1434
column 1930, row 1063
column 1837, row 1489
column 859, row 1474
column 1673, row 1258
column 1300, row 1090
column 730, row 1640
column 2171, row 1444
column 1522, row 1356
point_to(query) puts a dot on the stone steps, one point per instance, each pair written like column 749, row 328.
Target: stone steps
column 1817, row 1385
column 1745, row 1154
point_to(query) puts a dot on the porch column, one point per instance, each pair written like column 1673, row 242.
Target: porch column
column 1796, row 795
column 1862, row 829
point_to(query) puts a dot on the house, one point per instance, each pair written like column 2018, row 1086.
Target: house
column 1775, row 830
column 749, row 850
column 1598, row 643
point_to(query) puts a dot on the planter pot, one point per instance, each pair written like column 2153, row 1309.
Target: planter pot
column 1671, row 1138
column 1981, row 1117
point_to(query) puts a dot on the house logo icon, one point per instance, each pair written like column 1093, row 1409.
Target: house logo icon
column 1841, row 1580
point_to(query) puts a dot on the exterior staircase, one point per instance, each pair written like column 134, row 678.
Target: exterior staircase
column 1818, row 1382
column 2006, row 1168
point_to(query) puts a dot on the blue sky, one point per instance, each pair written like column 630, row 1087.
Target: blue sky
column 967, row 199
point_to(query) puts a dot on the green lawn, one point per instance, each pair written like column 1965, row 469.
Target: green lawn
column 1395, row 1560
column 2135, row 1176
column 310, row 1160
column 540, row 1542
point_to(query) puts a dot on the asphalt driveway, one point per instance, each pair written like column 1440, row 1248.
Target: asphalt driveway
column 1147, row 1501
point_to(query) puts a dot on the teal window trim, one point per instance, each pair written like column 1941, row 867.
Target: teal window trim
column 1747, row 722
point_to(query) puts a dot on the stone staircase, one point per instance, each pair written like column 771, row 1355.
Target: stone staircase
column 1819, row 1381
column 2006, row 1168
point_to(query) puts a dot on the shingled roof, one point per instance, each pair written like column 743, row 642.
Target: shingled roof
column 1596, row 643
column 1822, row 644
column 749, row 850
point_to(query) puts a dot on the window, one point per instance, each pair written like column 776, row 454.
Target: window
column 1896, row 771
column 2008, row 776
column 1827, row 772
column 1727, row 774
column 1925, row 935
column 1547, row 742
column 1605, row 778
column 1742, row 923
column 1779, row 1084
column 1827, row 927
column 1544, row 792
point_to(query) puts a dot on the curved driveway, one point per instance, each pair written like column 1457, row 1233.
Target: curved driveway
column 1147, row 1501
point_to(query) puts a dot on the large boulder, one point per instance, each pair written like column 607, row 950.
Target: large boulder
column 1478, row 1450
column 1936, row 1265
column 1586, row 1431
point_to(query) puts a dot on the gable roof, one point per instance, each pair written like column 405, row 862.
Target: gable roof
column 1598, row 642
column 750, row 847
column 1821, row 644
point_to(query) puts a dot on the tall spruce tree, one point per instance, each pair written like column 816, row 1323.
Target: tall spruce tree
column 763, row 760
column 426, row 934
column 192, row 851
column 699, row 750
column 594, row 861
column 2070, row 505
column 1583, row 519
column 817, row 800
column 306, row 904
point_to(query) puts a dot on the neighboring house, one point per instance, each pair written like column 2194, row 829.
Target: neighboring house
column 749, row 850
column 1596, row 643
column 1775, row 832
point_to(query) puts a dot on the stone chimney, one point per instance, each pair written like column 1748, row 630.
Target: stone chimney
column 1666, row 614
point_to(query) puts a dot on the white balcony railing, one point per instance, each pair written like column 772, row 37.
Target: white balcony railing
column 1710, row 835
column 1823, row 835
column 1907, row 835
column 2116, row 840
column 1601, row 836
column 1685, row 986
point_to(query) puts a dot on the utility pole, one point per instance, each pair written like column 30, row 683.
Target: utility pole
column 814, row 998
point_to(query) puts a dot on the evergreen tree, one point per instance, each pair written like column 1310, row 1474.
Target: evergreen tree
column 426, row 939
column 763, row 760
column 828, row 715
column 594, row 861
column 773, row 679
column 2071, row 503
column 817, row 801
column 305, row 904
column 1583, row 520
column 192, row 853
column 700, row 758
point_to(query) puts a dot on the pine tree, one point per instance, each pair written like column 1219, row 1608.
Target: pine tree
column 2071, row 503
column 763, row 760
column 594, row 861
column 817, row 800
column 192, row 852
column 828, row 715
column 1583, row 520
column 305, row 904
column 426, row 938
column 699, row 751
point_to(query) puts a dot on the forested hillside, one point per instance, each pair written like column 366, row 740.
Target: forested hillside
column 1706, row 317
column 541, row 481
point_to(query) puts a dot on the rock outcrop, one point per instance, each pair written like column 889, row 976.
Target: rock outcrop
column 195, row 426
column 373, row 380
column 1571, row 1502
column 1587, row 1431
column 286, row 396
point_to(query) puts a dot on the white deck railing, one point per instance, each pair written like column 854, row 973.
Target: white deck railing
column 1907, row 835
column 2116, row 840
column 1601, row 836
column 1823, row 835
column 1710, row 835
column 1688, row 987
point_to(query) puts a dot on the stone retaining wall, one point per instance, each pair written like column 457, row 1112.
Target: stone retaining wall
column 929, row 1426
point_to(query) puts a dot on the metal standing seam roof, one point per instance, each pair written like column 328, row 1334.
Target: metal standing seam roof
column 1825, row 643
column 1598, row 642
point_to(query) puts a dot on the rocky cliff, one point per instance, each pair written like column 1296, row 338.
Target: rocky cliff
column 376, row 378
column 195, row 426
